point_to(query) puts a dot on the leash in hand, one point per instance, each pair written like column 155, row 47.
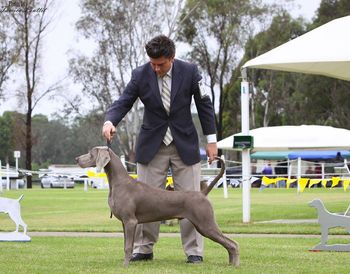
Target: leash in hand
column 109, row 143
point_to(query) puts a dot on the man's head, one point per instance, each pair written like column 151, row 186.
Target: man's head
column 161, row 51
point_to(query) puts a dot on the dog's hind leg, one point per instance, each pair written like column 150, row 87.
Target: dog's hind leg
column 231, row 246
column 213, row 232
column 129, row 226
column 23, row 224
column 24, row 228
column 15, row 219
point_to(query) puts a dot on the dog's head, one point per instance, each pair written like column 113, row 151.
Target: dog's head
column 97, row 157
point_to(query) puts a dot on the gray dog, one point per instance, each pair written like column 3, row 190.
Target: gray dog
column 134, row 202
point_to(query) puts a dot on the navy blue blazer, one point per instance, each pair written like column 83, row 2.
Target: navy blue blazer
column 184, row 86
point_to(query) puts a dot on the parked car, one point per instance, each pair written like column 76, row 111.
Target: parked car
column 48, row 181
column 20, row 183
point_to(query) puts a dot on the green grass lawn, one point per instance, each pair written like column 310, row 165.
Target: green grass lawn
column 105, row 255
column 76, row 210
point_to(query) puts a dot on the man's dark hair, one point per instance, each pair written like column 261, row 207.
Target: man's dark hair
column 159, row 46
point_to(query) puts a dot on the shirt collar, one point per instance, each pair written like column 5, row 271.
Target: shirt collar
column 169, row 73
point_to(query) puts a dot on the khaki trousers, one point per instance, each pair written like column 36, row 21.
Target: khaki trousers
column 185, row 178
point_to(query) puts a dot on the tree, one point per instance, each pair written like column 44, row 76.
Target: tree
column 12, row 135
column 5, row 136
column 329, row 10
column 8, row 47
column 120, row 29
column 273, row 98
column 31, row 20
column 55, row 142
column 50, row 141
column 216, row 32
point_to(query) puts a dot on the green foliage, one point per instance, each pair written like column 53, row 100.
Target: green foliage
column 270, row 99
column 216, row 30
column 5, row 137
column 9, row 48
column 331, row 9
column 53, row 141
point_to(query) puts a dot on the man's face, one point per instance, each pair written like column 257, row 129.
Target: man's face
column 161, row 65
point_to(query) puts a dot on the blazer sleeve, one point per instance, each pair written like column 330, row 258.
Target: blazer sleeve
column 204, row 106
column 116, row 112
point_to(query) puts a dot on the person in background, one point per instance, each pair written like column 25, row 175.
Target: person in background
column 267, row 171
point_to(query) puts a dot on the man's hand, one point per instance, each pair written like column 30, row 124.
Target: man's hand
column 212, row 152
column 108, row 131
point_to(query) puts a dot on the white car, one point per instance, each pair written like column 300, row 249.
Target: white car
column 56, row 182
column 19, row 182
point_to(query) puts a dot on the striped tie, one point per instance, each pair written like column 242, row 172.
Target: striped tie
column 168, row 138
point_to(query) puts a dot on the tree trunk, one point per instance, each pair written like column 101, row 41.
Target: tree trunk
column 29, row 147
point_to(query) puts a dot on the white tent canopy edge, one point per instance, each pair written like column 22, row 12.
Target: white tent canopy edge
column 304, row 137
column 322, row 51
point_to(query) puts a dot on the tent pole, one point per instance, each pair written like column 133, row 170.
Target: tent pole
column 245, row 152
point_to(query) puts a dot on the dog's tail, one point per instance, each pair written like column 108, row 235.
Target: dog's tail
column 216, row 179
column 20, row 197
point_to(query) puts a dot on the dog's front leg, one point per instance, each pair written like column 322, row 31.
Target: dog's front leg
column 324, row 235
column 129, row 235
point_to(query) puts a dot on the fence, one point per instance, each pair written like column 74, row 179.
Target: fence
column 295, row 171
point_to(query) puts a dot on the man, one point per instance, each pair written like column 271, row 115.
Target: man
column 167, row 137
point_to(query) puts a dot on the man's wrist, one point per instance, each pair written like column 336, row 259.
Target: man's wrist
column 108, row 123
column 211, row 138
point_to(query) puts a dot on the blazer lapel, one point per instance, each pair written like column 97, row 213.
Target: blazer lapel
column 176, row 80
column 154, row 85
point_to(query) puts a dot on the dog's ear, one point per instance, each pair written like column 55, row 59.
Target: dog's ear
column 102, row 160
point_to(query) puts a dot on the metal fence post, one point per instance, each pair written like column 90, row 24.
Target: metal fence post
column 7, row 176
column 225, row 181
column 0, row 177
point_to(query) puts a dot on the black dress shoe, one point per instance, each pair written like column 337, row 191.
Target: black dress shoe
column 141, row 257
column 194, row 259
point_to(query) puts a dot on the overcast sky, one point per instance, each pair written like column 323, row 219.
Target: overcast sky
column 62, row 39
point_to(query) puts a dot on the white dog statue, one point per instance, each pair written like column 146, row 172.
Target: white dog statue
column 12, row 207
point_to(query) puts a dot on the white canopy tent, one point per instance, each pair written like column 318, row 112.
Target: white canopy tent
column 304, row 137
column 322, row 51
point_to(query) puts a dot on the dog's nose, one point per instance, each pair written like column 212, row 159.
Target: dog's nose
column 77, row 159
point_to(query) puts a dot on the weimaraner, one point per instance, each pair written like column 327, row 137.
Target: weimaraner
column 134, row 202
